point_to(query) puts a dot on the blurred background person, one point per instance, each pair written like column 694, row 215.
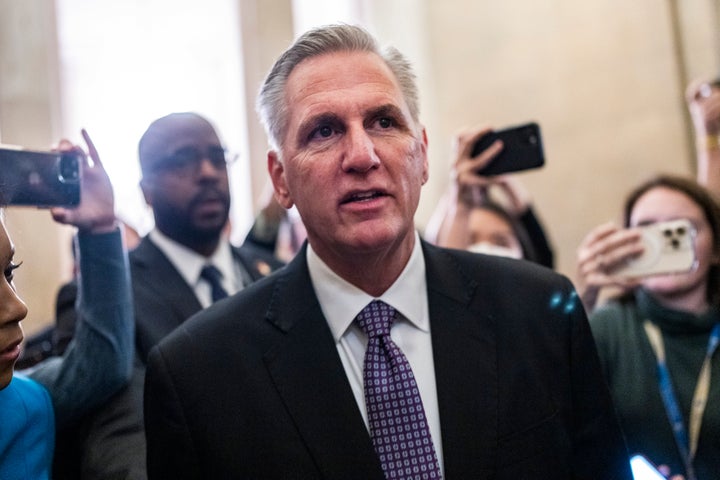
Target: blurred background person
column 185, row 182
column 277, row 230
column 491, row 214
column 657, row 339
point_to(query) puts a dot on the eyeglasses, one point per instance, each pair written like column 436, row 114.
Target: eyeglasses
column 186, row 161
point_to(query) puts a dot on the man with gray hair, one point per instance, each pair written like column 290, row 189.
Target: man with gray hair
column 374, row 354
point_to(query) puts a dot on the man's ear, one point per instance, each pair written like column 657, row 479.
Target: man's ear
column 276, row 169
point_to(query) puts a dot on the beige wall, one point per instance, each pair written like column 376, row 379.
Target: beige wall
column 30, row 116
column 604, row 78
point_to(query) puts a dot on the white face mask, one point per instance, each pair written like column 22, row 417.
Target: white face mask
column 492, row 249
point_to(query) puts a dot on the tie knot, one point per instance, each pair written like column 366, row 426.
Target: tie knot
column 376, row 318
column 213, row 276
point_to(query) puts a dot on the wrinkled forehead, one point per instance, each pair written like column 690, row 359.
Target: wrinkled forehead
column 341, row 81
column 339, row 70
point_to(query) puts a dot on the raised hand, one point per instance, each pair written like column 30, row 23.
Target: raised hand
column 96, row 211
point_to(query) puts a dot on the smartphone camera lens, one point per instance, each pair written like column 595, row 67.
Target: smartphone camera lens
column 69, row 171
column 531, row 137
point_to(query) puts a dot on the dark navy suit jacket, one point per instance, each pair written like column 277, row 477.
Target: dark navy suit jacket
column 253, row 386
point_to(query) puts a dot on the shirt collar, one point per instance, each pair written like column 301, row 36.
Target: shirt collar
column 341, row 301
column 188, row 262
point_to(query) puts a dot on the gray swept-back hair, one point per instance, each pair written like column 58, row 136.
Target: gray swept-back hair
column 271, row 105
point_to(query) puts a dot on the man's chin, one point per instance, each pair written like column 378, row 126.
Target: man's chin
column 210, row 227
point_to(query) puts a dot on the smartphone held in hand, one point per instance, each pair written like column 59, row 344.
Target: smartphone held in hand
column 669, row 247
column 522, row 149
column 644, row 469
column 39, row 179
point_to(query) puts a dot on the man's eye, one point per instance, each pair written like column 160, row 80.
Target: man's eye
column 385, row 122
column 325, row 131
column 321, row 133
column 186, row 157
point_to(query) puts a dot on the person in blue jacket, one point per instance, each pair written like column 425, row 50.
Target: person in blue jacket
column 98, row 362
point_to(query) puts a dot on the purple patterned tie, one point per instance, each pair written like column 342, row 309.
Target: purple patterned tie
column 398, row 427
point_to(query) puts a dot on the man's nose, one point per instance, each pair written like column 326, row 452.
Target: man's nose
column 360, row 155
column 207, row 167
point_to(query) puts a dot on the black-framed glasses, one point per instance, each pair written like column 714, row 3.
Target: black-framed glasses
column 186, row 161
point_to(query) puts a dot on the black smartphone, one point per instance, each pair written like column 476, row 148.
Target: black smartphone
column 522, row 149
column 39, row 179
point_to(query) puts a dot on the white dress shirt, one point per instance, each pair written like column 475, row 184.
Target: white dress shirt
column 189, row 263
column 341, row 302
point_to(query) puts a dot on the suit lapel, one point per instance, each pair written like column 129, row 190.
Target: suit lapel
column 153, row 270
column 463, row 351
column 312, row 381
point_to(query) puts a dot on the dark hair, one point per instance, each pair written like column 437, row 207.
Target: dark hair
column 703, row 199
column 523, row 238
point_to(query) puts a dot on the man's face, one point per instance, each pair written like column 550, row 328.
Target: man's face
column 186, row 183
column 353, row 160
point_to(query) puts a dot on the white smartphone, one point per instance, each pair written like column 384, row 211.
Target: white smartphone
column 669, row 248
column 644, row 469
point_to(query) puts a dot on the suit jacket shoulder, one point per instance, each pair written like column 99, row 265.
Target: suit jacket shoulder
column 257, row 261
column 520, row 394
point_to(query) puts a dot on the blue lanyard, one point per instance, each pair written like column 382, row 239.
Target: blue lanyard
column 672, row 407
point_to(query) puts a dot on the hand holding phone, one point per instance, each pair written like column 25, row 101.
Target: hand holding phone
column 522, row 149
column 96, row 211
column 668, row 247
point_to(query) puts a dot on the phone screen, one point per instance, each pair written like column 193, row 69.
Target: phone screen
column 40, row 179
column 643, row 469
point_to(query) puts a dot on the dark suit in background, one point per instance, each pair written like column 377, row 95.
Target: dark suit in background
column 164, row 300
column 185, row 181
column 112, row 440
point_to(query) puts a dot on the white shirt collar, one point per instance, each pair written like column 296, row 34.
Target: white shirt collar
column 341, row 301
column 189, row 263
